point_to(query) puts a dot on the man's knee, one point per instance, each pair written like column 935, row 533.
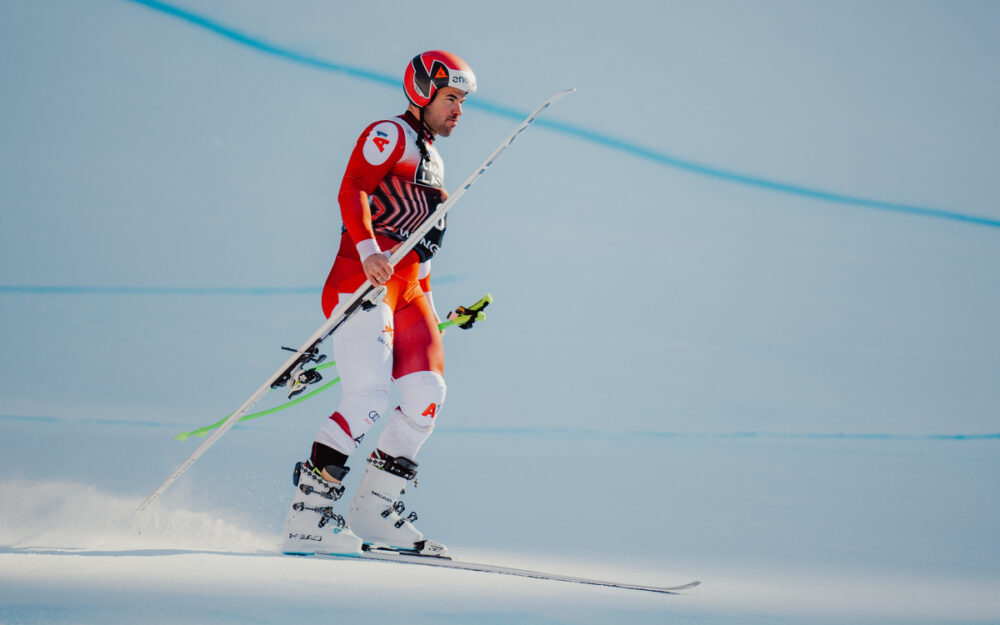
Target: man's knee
column 413, row 421
column 422, row 395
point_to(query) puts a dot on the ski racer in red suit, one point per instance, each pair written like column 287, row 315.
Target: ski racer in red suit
column 394, row 181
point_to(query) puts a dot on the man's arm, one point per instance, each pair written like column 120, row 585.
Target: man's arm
column 377, row 150
column 424, row 276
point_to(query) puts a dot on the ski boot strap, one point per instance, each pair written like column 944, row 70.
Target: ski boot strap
column 336, row 472
column 324, row 458
column 401, row 467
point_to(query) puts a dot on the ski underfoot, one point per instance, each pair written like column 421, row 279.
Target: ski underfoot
column 403, row 556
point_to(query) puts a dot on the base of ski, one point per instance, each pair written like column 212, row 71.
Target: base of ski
column 392, row 555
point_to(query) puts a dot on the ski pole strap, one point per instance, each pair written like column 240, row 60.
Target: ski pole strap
column 201, row 432
column 465, row 316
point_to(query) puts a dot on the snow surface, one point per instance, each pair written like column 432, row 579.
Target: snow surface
column 683, row 377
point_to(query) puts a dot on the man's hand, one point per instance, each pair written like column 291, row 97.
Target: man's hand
column 377, row 268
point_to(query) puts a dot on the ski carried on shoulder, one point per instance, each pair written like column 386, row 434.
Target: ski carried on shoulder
column 403, row 556
column 295, row 374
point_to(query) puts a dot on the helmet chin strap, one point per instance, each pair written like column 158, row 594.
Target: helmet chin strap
column 424, row 127
column 423, row 124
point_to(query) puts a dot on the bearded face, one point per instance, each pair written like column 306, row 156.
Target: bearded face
column 442, row 114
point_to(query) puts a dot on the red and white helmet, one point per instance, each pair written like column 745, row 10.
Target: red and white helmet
column 432, row 70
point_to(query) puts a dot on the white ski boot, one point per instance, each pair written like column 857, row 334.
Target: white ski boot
column 375, row 510
column 311, row 525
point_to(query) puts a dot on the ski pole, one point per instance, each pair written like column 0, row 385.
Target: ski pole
column 462, row 317
column 200, row 432
column 366, row 293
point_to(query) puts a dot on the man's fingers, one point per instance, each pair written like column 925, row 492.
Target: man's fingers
column 377, row 269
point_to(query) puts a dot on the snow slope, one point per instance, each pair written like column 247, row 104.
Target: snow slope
column 746, row 285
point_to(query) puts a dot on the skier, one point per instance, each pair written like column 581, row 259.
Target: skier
column 393, row 182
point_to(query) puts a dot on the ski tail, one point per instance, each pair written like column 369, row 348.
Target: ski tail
column 402, row 556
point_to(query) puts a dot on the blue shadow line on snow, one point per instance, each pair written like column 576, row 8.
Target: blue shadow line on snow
column 527, row 431
column 157, row 290
column 772, row 185
column 835, row 436
column 97, row 421
column 179, row 290
column 723, row 435
column 570, row 129
column 264, row 46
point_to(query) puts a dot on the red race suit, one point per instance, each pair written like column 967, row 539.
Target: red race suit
column 393, row 182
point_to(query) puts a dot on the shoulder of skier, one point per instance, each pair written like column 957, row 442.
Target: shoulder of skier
column 376, row 152
column 378, row 149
